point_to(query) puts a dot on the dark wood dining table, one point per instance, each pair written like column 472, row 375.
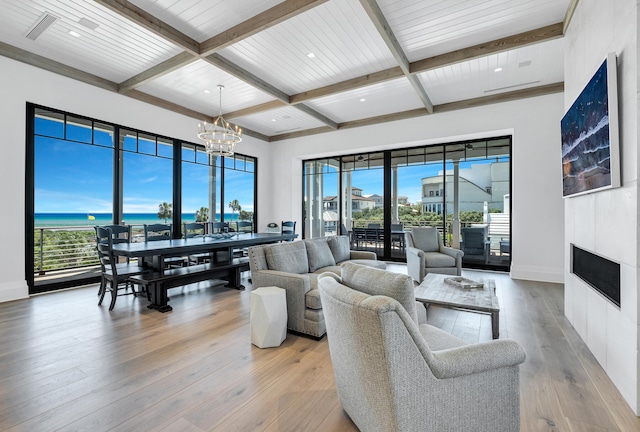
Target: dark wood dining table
column 152, row 254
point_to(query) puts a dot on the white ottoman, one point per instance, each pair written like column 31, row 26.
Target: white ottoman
column 268, row 317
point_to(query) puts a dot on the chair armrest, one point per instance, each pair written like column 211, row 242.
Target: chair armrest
column 415, row 252
column 477, row 358
column 415, row 263
column 354, row 254
column 296, row 285
column 456, row 253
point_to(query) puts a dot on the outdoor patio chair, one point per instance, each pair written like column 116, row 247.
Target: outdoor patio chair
column 475, row 244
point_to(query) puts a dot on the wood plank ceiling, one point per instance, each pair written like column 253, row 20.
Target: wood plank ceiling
column 297, row 67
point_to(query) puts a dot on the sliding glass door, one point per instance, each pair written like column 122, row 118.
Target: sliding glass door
column 462, row 189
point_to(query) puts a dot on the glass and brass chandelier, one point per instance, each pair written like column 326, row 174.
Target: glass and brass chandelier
column 220, row 137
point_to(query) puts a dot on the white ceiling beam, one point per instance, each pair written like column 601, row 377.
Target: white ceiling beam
column 542, row 34
column 235, row 70
column 418, row 112
column 167, row 66
column 38, row 61
column 277, row 14
column 146, row 20
column 380, row 22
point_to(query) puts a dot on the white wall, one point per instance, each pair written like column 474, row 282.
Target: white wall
column 606, row 222
column 23, row 83
column 538, row 211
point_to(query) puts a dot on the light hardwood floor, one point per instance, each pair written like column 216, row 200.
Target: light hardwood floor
column 67, row 364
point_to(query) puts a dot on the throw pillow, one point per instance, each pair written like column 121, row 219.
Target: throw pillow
column 381, row 282
column 340, row 248
column 288, row 257
column 319, row 254
column 426, row 239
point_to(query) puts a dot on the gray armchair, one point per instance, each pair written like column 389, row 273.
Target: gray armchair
column 426, row 253
column 395, row 375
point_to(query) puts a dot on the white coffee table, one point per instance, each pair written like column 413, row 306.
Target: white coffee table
column 434, row 290
column 268, row 317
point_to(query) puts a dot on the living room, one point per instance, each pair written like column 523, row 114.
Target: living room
column 540, row 252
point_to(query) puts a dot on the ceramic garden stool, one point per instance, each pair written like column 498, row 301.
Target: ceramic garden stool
column 268, row 317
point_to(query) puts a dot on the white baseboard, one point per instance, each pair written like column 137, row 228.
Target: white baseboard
column 539, row 274
column 13, row 291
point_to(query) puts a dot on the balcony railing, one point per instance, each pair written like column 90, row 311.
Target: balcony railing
column 65, row 248
column 62, row 248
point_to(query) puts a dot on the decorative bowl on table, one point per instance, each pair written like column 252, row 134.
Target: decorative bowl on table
column 464, row 283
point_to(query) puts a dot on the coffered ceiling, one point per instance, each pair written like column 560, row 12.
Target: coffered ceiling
column 297, row 67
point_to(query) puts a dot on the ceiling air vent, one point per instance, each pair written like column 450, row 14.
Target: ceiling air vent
column 43, row 23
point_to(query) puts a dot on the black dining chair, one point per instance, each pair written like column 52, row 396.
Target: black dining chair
column 192, row 230
column 157, row 232
column 114, row 274
column 288, row 227
column 119, row 234
column 244, row 226
column 219, row 227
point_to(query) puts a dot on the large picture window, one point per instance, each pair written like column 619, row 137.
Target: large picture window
column 86, row 172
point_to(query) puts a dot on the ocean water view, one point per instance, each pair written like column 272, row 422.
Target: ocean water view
column 44, row 220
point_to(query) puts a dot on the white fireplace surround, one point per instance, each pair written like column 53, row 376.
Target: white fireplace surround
column 606, row 222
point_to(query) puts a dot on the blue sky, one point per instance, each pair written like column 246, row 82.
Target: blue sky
column 77, row 178
column 409, row 179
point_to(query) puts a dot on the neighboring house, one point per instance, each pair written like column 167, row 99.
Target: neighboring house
column 378, row 199
column 358, row 201
column 478, row 184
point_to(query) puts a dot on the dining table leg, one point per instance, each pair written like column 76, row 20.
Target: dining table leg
column 159, row 298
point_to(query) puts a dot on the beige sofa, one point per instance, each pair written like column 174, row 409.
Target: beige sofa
column 295, row 266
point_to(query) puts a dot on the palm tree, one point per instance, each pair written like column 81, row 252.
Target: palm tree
column 235, row 207
column 164, row 211
column 202, row 215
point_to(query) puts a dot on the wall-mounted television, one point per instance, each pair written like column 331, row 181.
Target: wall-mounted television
column 589, row 129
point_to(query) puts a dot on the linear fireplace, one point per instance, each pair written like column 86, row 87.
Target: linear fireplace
column 598, row 272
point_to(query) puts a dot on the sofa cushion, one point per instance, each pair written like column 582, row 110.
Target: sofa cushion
column 340, row 248
column 370, row 263
column 437, row 259
column 312, row 299
column 319, row 254
column 374, row 282
column 426, row 239
column 288, row 257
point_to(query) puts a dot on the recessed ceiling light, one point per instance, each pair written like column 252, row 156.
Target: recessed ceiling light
column 362, row 100
column 207, row 91
column 273, row 120
column 311, row 55
column 498, row 69
column 74, row 34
